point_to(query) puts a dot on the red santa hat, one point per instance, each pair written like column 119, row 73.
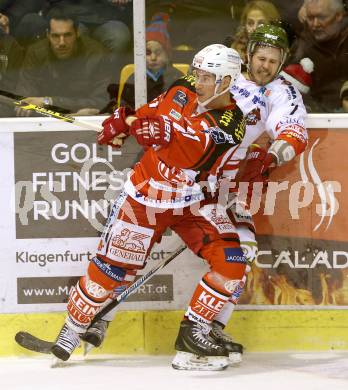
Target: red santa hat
column 299, row 74
column 157, row 30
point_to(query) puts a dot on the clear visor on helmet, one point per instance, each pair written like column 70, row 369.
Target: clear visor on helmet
column 202, row 77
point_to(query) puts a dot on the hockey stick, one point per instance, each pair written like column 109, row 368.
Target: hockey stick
column 33, row 343
column 11, row 97
column 20, row 102
column 50, row 111
column 55, row 114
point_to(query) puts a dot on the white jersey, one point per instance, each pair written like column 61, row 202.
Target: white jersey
column 273, row 108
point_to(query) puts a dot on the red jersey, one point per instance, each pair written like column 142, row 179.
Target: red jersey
column 201, row 144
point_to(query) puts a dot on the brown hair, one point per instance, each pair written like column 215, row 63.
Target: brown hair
column 266, row 7
column 271, row 14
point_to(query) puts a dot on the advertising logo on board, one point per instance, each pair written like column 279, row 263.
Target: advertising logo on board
column 34, row 290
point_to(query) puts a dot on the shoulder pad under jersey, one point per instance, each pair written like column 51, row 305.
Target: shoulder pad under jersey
column 281, row 85
column 230, row 120
column 187, row 81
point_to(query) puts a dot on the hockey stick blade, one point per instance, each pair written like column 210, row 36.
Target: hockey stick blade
column 33, row 343
column 28, row 341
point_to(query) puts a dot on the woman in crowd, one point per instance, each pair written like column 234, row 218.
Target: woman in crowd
column 254, row 13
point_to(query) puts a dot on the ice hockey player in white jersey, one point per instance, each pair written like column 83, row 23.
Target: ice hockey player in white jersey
column 271, row 104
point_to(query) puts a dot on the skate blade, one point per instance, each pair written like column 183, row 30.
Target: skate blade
column 87, row 347
column 234, row 358
column 189, row 361
column 57, row 363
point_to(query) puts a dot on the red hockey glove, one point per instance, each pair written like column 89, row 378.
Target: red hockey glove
column 258, row 166
column 155, row 130
column 114, row 126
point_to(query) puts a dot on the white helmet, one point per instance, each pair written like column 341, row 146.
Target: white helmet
column 221, row 61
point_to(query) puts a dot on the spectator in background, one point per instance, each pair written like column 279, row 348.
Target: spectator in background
column 344, row 97
column 11, row 57
column 300, row 76
column 292, row 12
column 106, row 21
column 193, row 23
column 160, row 73
column 254, row 13
column 64, row 69
column 16, row 18
column 325, row 41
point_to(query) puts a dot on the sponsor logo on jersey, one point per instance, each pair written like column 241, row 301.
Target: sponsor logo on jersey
column 129, row 243
column 257, row 100
column 294, row 134
column 289, row 121
column 130, row 240
column 218, row 218
column 190, row 79
column 230, row 285
column 180, row 98
column 290, row 90
column 234, row 255
column 219, row 136
column 209, row 301
column 242, row 91
column 173, row 175
column 226, row 118
column 240, row 214
column 177, row 200
column 292, row 127
column 293, row 92
column 95, row 290
column 111, row 271
column 253, row 117
column 175, row 114
column 264, row 91
column 237, row 292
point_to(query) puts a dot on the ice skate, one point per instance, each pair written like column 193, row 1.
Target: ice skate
column 67, row 341
column 95, row 334
column 196, row 350
column 235, row 350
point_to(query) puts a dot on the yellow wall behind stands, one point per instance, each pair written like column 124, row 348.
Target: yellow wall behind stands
column 154, row 332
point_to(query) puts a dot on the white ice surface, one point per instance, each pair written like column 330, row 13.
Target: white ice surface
column 271, row 371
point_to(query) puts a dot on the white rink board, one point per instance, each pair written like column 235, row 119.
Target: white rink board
column 40, row 256
column 26, row 147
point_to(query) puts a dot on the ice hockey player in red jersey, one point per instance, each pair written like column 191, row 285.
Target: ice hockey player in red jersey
column 272, row 105
column 189, row 133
